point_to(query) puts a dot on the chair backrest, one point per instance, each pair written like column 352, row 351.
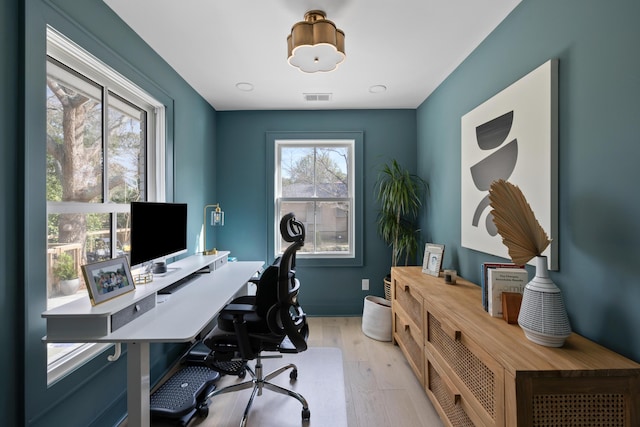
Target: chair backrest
column 292, row 231
column 277, row 296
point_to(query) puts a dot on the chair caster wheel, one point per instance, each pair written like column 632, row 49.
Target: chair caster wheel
column 306, row 414
column 242, row 374
column 203, row 410
column 293, row 374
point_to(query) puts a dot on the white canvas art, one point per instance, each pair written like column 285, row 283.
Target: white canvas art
column 512, row 136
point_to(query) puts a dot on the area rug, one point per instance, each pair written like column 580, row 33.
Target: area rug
column 320, row 381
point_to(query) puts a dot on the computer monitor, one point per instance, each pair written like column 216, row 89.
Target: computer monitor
column 158, row 231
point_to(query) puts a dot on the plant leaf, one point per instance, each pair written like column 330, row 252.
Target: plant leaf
column 399, row 193
column 516, row 223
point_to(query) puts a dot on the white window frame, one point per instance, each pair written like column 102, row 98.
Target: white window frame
column 349, row 199
column 67, row 52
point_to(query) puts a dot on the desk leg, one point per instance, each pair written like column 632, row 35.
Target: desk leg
column 138, row 384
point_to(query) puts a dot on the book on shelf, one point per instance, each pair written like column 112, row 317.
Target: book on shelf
column 486, row 266
column 501, row 280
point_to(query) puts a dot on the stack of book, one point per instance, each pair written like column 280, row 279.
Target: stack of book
column 497, row 278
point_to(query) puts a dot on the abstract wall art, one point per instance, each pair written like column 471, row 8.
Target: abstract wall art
column 512, row 136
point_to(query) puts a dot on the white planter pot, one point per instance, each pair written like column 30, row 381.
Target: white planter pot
column 69, row 287
column 376, row 318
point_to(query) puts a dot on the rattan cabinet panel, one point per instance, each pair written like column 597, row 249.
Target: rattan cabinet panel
column 481, row 371
column 578, row 398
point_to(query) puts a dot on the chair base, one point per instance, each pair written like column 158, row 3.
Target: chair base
column 258, row 382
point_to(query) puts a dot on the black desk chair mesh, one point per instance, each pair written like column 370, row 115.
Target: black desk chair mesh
column 272, row 320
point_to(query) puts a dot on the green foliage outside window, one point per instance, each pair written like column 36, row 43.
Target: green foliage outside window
column 65, row 267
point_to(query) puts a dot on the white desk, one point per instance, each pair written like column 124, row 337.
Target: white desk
column 179, row 319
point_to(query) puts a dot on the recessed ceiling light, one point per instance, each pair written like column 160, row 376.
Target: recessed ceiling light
column 244, row 86
column 377, row 88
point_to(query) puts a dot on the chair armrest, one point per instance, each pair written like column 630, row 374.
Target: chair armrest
column 239, row 308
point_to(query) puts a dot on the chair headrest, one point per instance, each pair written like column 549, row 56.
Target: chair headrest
column 291, row 229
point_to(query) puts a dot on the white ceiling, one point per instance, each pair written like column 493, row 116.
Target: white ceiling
column 409, row 46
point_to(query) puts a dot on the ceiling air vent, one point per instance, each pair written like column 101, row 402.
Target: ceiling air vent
column 317, row 96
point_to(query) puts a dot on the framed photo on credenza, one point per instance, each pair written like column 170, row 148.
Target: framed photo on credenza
column 432, row 259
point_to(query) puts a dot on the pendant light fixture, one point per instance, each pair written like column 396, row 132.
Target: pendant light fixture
column 315, row 44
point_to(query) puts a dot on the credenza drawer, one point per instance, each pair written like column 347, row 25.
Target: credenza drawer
column 408, row 338
column 479, row 377
column 449, row 402
column 409, row 300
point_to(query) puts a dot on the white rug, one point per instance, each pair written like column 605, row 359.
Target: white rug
column 320, row 381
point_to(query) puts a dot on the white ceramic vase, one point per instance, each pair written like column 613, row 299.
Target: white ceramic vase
column 543, row 316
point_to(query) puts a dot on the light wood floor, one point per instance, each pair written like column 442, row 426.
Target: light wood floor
column 380, row 387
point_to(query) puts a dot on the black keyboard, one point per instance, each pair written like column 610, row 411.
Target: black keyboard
column 176, row 286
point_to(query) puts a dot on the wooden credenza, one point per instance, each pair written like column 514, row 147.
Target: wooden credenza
column 481, row 371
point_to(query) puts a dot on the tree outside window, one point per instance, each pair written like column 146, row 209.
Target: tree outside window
column 100, row 133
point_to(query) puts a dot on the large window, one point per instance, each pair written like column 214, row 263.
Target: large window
column 104, row 150
column 315, row 180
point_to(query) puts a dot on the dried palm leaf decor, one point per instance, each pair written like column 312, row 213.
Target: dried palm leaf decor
column 543, row 316
column 516, row 223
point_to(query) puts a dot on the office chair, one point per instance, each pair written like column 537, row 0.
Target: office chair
column 272, row 320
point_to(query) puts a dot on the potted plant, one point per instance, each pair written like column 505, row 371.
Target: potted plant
column 400, row 195
column 67, row 274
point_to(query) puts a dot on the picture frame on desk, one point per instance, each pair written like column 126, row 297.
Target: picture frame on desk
column 108, row 279
column 432, row 260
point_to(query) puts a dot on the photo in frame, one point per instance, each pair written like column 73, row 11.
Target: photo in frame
column 432, row 260
column 108, row 279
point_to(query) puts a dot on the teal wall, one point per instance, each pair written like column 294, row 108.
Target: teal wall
column 242, row 193
column 596, row 43
column 10, row 309
column 94, row 395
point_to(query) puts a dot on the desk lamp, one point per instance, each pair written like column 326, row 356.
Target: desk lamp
column 217, row 220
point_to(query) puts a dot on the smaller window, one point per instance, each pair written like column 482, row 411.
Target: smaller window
column 315, row 180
